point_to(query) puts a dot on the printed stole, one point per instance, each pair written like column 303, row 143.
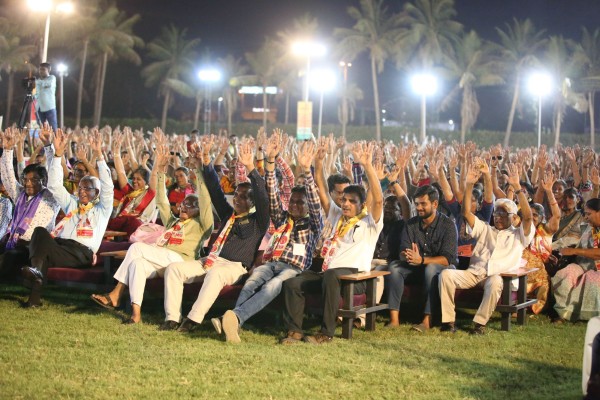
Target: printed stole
column 130, row 198
column 23, row 215
column 174, row 235
column 540, row 246
column 84, row 228
column 342, row 228
column 220, row 241
column 279, row 241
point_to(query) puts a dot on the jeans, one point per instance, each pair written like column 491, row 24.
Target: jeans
column 402, row 272
column 50, row 117
column 262, row 287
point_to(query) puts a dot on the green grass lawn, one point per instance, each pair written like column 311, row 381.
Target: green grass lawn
column 70, row 348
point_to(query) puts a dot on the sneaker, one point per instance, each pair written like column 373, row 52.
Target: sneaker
column 187, row 325
column 292, row 337
column 319, row 338
column 169, row 326
column 448, row 327
column 217, row 324
column 478, row 329
column 231, row 326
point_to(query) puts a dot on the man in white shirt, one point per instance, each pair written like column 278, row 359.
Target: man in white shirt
column 349, row 248
column 45, row 92
column 77, row 237
column 498, row 250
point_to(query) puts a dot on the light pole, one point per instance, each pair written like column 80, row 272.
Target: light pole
column 322, row 80
column 219, row 102
column 47, row 7
column 540, row 85
column 63, row 70
column 345, row 66
column 208, row 76
column 304, row 124
column 424, row 85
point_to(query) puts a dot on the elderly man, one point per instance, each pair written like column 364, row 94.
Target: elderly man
column 77, row 237
column 498, row 250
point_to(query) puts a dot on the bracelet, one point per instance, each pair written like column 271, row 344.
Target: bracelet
column 518, row 192
column 270, row 162
column 422, row 260
column 393, row 183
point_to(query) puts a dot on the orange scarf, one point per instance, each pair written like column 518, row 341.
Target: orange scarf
column 220, row 241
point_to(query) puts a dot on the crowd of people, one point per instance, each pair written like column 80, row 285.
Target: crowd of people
column 281, row 215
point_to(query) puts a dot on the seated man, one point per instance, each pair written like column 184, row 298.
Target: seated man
column 498, row 250
column 182, row 240
column 357, row 225
column 427, row 246
column 34, row 207
column 289, row 251
column 232, row 252
column 77, row 237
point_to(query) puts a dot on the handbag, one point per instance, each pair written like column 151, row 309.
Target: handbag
column 147, row 233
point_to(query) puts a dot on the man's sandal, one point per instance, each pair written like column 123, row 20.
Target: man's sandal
column 107, row 305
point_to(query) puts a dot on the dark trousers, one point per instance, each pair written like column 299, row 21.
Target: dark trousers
column 310, row 282
column 46, row 251
column 11, row 261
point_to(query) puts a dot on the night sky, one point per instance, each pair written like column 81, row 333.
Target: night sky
column 239, row 26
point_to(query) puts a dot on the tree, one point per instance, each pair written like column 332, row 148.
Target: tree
column 264, row 67
column 14, row 57
column 352, row 93
column 474, row 64
column 374, row 32
column 520, row 43
column 233, row 73
column 173, row 54
column 589, row 53
column 562, row 63
column 115, row 40
column 429, row 32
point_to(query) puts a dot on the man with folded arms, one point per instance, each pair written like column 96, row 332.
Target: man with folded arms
column 289, row 251
column 357, row 225
column 232, row 253
column 77, row 237
column 498, row 250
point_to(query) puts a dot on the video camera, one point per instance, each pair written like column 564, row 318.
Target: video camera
column 28, row 84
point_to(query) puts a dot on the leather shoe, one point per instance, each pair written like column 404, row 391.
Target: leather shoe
column 168, row 326
column 478, row 330
column 318, row 338
column 32, row 274
column 448, row 327
column 291, row 338
column 188, row 326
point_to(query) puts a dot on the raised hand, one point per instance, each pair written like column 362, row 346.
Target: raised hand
column 82, row 152
column 273, row 145
column 60, row 142
column 548, row 181
column 306, row 154
column 363, row 152
column 513, row 176
column 246, row 156
column 379, row 169
column 224, row 145
column 96, row 141
column 473, row 174
column 46, row 134
column 321, row 149
column 8, row 139
column 161, row 156
column 595, row 176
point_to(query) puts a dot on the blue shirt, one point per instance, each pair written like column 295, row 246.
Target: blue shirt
column 45, row 92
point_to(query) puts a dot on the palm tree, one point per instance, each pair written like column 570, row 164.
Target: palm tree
column 589, row 52
column 173, row 54
column 475, row 65
column 114, row 41
column 352, row 93
column 563, row 65
column 14, row 57
column 265, row 69
column 519, row 45
column 374, row 31
column 233, row 73
column 429, row 32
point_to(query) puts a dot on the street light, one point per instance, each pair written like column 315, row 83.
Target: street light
column 48, row 7
column 345, row 65
column 208, row 76
column 540, row 84
column 63, row 70
column 322, row 80
column 308, row 50
column 424, row 85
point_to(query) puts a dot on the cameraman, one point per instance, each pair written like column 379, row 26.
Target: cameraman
column 46, row 95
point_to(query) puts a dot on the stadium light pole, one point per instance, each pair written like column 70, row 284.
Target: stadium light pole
column 63, row 70
column 540, row 84
column 48, row 7
column 322, row 80
column 208, row 76
column 425, row 85
column 308, row 49
column 345, row 65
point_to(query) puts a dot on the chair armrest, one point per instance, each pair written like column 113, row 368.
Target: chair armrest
column 518, row 273
column 363, row 276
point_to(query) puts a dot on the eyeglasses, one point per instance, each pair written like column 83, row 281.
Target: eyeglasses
column 85, row 188
column 499, row 158
column 500, row 214
column 187, row 206
column 81, row 170
column 30, row 180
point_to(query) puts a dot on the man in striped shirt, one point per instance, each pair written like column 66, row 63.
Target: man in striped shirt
column 290, row 249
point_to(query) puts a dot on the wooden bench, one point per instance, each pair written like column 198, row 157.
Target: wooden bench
column 108, row 257
column 117, row 236
column 349, row 312
column 508, row 306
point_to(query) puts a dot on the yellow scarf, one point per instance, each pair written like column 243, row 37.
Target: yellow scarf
column 81, row 210
column 344, row 225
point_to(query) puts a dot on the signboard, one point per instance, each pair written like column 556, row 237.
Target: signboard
column 304, row 129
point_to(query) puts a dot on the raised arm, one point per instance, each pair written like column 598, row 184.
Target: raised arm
column 554, row 221
column 161, row 161
column 55, row 178
column 259, row 190
column 399, row 192
column 320, row 178
column 211, row 180
column 514, row 181
column 273, row 147
column 7, row 171
column 119, row 167
column 107, row 188
column 363, row 153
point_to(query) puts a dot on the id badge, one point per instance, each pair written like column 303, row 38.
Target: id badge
column 85, row 232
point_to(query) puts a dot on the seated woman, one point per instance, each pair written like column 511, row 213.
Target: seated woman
column 181, row 241
column 577, row 286
column 137, row 206
column 180, row 189
column 571, row 220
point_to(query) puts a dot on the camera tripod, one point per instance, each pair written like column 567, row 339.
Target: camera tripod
column 29, row 104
